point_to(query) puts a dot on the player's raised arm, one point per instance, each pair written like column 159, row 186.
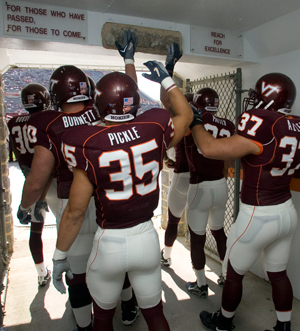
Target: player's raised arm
column 174, row 54
column 127, row 52
column 183, row 113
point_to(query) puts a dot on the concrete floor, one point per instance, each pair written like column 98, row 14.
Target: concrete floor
column 29, row 308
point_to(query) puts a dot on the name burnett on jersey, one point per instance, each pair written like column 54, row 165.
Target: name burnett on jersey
column 85, row 118
column 123, row 137
column 219, row 120
column 293, row 126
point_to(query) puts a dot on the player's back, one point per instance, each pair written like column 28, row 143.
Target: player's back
column 123, row 162
column 202, row 168
column 267, row 175
column 22, row 147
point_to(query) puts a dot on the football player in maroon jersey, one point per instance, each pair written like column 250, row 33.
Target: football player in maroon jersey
column 208, row 193
column 129, row 306
column 120, row 163
column 35, row 98
column 71, row 93
column 177, row 196
column 267, row 141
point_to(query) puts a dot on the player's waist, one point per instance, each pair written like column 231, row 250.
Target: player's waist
column 267, row 210
column 131, row 231
column 212, row 182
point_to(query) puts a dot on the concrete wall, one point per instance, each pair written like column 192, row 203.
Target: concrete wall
column 7, row 232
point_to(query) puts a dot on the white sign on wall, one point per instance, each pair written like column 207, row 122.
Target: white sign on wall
column 34, row 21
column 216, row 42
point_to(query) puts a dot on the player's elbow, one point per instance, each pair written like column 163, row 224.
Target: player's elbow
column 208, row 153
column 75, row 215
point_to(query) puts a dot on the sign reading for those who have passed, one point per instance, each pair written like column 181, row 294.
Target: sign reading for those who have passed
column 34, row 21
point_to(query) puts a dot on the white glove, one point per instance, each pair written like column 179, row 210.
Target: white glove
column 59, row 267
column 24, row 215
column 40, row 210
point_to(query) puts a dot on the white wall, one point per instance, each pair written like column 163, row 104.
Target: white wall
column 4, row 59
column 288, row 63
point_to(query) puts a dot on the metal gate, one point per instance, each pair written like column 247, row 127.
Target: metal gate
column 229, row 89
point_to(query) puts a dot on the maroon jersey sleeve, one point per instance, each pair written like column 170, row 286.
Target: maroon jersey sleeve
column 202, row 168
column 22, row 147
column 123, row 163
column 267, row 175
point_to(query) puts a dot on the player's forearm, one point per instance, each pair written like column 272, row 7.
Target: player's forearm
column 130, row 71
column 207, row 143
column 32, row 192
column 164, row 98
column 184, row 115
column 46, row 188
column 69, row 228
column 180, row 105
column 229, row 148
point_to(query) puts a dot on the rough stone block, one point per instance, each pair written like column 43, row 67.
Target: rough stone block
column 4, row 153
column 150, row 40
column 165, row 179
column 164, row 203
column 6, row 184
column 164, row 193
column 164, row 224
column 181, row 230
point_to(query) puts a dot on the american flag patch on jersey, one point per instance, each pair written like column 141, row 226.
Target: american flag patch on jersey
column 128, row 101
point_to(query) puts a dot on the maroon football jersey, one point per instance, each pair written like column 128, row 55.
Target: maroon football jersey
column 46, row 129
column 267, row 176
column 23, row 149
column 181, row 162
column 123, row 163
column 202, row 168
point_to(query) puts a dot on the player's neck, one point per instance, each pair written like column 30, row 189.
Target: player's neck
column 109, row 123
column 72, row 107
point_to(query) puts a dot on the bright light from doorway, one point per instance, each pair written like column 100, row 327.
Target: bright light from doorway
column 147, row 86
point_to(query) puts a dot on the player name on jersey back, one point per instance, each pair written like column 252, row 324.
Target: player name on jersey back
column 293, row 126
column 219, row 120
column 85, row 118
column 123, row 136
column 22, row 119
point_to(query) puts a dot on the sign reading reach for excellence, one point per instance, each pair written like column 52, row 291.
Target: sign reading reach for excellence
column 216, row 42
